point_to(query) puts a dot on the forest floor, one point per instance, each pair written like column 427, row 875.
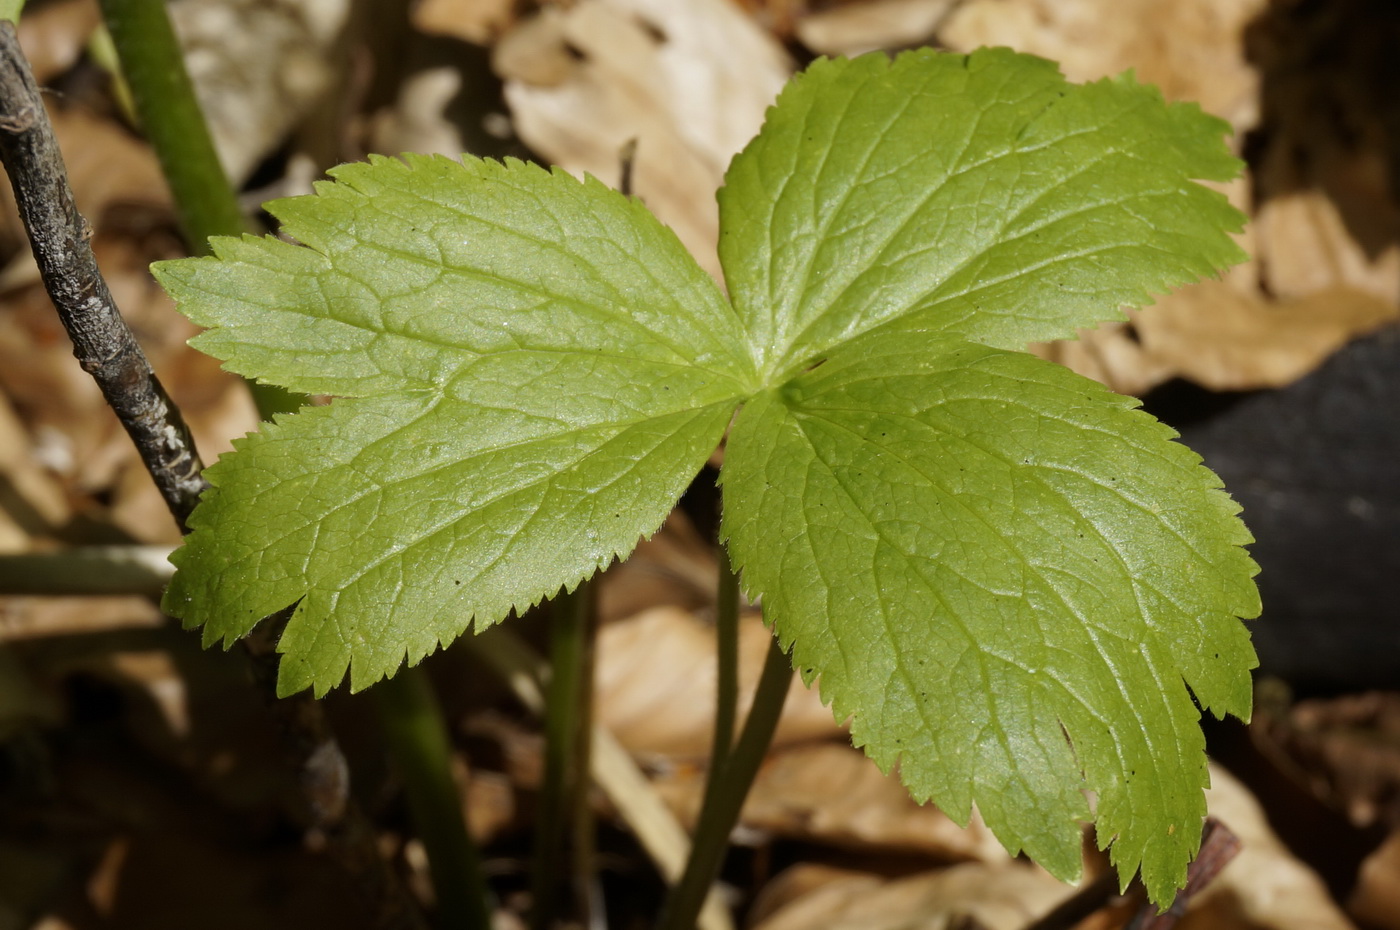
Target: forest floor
column 141, row 783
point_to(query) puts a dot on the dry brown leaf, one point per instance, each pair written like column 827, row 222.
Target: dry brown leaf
column 31, row 502
column 1325, row 159
column 476, row 21
column 259, row 67
column 112, row 176
column 1002, row 896
column 154, row 672
column 831, row 793
column 54, row 35
column 1223, row 338
column 1376, row 899
column 37, row 617
column 1192, row 51
column 75, row 435
column 108, row 170
column 1305, row 245
column 801, row 880
column 1229, row 340
column 675, row 566
column 489, row 803
column 1346, row 750
column 1264, row 886
column 856, row 28
column 655, row 684
column 418, row 121
column 688, row 79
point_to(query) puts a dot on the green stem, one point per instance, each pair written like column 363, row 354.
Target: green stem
column 416, row 735
column 726, row 669
column 174, row 124
column 154, row 69
column 561, row 827
column 172, row 120
column 583, row 824
column 720, row 811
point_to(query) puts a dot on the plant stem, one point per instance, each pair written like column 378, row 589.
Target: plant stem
column 112, row 570
column 172, row 120
column 153, row 66
column 106, row 348
column 613, row 770
column 583, row 825
column 60, row 239
column 561, row 828
column 726, row 669
column 416, row 735
column 160, row 87
column 720, row 812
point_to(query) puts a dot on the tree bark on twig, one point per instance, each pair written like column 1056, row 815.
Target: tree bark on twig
column 59, row 238
column 106, row 348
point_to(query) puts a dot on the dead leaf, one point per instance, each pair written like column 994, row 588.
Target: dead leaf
column 655, row 684
column 1376, row 899
column 475, row 21
column 856, row 28
column 114, row 180
column 1345, row 749
column 688, row 79
column 801, row 880
column 54, row 35
column 675, row 566
column 1306, row 245
column 24, row 618
column 1264, row 886
column 1223, row 338
column 259, row 67
column 831, row 793
column 1192, row 51
column 1325, row 157
column 1004, row 896
column 31, row 502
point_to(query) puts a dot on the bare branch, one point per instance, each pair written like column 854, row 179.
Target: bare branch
column 107, row 350
column 59, row 238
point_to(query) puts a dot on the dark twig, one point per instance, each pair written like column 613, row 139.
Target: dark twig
column 1218, row 847
column 59, row 237
column 107, row 350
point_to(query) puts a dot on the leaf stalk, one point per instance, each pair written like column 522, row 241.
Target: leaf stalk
column 720, row 812
column 564, row 832
column 416, row 735
column 726, row 669
column 153, row 66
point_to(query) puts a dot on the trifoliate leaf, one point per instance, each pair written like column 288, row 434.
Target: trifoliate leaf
column 978, row 194
column 1004, row 576
column 540, row 368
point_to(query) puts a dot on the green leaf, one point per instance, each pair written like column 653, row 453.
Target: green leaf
column 977, row 194
column 981, row 554
column 1013, row 583
column 539, row 369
